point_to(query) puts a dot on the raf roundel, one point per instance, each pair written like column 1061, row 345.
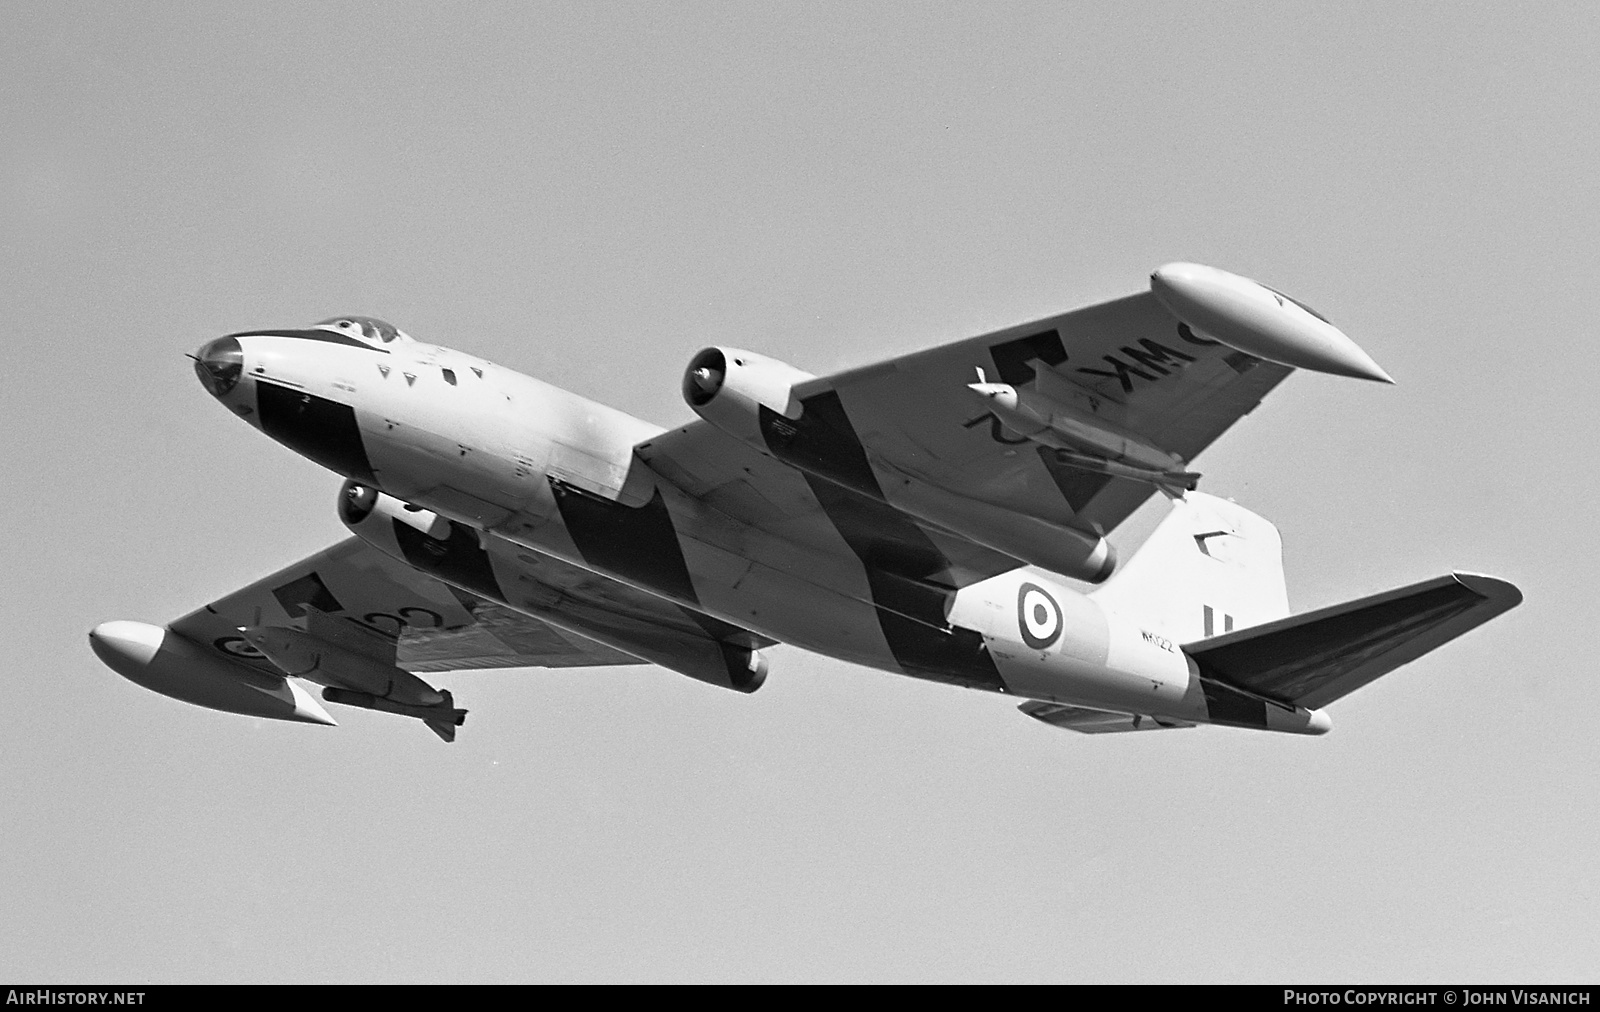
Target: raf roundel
column 237, row 646
column 1038, row 616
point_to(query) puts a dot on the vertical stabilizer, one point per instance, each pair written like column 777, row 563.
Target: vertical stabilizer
column 1211, row 567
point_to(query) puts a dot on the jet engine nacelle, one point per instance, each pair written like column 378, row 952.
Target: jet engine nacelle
column 728, row 387
column 357, row 502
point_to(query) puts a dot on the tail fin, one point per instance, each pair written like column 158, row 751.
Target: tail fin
column 1212, row 566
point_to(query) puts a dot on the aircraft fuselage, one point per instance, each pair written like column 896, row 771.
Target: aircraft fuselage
column 457, row 444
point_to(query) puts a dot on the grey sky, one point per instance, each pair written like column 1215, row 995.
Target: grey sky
column 590, row 193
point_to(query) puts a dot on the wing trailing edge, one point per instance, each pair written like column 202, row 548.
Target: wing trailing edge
column 1315, row 658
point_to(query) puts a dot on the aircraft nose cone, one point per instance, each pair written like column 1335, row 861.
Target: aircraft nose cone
column 219, row 364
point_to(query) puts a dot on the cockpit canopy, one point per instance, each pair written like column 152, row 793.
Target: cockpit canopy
column 368, row 328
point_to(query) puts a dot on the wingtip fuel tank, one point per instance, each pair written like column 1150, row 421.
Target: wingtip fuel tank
column 1259, row 321
column 162, row 661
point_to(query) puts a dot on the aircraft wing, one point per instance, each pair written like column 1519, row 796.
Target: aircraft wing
column 1313, row 659
column 913, row 419
column 436, row 627
column 1129, row 362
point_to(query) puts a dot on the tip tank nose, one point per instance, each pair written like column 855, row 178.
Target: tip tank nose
column 162, row 661
column 125, row 646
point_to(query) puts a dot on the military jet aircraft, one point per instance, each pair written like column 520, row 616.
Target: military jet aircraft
column 936, row 515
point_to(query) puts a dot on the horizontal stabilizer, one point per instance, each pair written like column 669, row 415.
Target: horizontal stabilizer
column 1087, row 721
column 1313, row 659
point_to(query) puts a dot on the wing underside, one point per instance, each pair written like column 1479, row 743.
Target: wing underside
column 913, row 421
column 436, row 627
column 1128, row 362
